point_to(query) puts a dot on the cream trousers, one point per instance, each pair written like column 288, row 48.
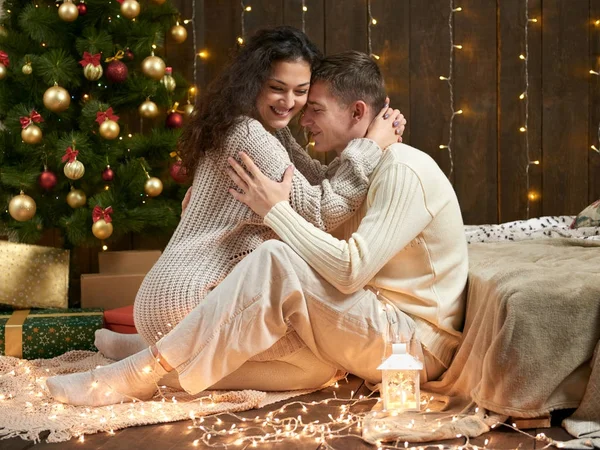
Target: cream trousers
column 268, row 292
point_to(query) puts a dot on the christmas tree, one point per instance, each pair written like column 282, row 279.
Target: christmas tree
column 78, row 82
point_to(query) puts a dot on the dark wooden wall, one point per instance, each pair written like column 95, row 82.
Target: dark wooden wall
column 412, row 39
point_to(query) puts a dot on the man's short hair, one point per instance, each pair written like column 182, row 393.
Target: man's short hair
column 352, row 76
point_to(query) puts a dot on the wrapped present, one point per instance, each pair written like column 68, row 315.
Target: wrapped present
column 127, row 262
column 32, row 276
column 120, row 320
column 109, row 291
column 46, row 333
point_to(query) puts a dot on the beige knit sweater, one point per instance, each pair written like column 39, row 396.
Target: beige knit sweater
column 407, row 242
column 216, row 231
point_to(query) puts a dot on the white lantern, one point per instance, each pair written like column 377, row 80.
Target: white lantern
column 400, row 380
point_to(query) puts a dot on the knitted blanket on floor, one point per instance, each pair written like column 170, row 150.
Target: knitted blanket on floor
column 531, row 332
column 27, row 410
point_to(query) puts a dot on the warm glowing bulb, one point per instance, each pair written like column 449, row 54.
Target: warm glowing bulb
column 240, row 40
column 593, row 72
column 522, row 96
column 457, row 9
column 248, row 8
column 375, row 56
column 374, row 21
column 595, row 149
column 304, row 8
column 533, row 20
column 104, row 248
column 533, row 196
column 443, row 146
column 521, row 56
column 147, row 369
column 536, row 162
column 597, row 22
column 522, row 129
column 458, row 47
column 443, row 77
column 203, row 54
column 153, row 46
column 460, row 111
column 192, row 90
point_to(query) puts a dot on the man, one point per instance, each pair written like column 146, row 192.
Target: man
column 398, row 272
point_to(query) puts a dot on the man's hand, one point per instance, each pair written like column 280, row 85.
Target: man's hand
column 259, row 192
column 186, row 200
column 387, row 127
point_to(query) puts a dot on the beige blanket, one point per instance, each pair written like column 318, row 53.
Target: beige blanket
column 532, row 324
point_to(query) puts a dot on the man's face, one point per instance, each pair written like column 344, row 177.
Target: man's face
column 329, row 122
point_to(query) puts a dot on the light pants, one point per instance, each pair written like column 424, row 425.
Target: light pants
column 249, row 311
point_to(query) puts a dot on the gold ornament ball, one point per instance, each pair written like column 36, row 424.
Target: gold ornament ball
column 22, row 207
column 153, row 186
column 92, row 72
column 27, row 69
column 169, row 83
column 76, row 198
column 153, row 67
column 3, row 71
column 68, row 11
column 74, row 170
column 109, row 130
column 57, row 99
column 148, row 110
column 32, row 134
column 102, row 229
column 188, row 110
column 130, row 9
column 178, row 33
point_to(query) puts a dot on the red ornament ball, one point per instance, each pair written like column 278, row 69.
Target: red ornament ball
column 178, row 173
column 129, row 55
column 47, row 180
column 108, row 174
column 82, row 7
column 174, row 120
column 116, row 72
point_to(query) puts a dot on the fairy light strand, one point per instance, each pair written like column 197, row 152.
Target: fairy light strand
column 195, row 42
column 245, row 9
column 596, row 73
column 371, row 21
column 525, row 96
column 304, row 9
column 449, row 80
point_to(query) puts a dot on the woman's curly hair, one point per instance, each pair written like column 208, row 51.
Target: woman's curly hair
column 234, row 92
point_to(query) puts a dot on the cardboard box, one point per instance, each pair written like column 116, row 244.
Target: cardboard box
column 109, row 291
column 127, row 262
column 120, row 320
column 46, row 333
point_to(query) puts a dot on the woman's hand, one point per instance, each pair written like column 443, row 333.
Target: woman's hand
column 186, row 200
column 259, row 192
column 387, row 127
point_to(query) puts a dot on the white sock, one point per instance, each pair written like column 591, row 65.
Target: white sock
column 132, row 378
column 118, row 346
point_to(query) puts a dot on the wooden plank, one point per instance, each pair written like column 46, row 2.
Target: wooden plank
column 512, row 144
column 475, row 144
column 264, row 14
column 390, row 39
column 222, row 27
column 594, row 126
column 533, row 422
column 346, row 25
column 429, row 96
column 566, row 107
column 314, row 19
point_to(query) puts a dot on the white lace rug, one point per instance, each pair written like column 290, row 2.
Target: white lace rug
column 27, row 410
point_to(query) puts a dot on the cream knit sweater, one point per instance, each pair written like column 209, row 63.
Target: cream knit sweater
column 216, row 231
column 407, row 242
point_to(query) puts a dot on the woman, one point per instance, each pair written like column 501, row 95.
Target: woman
column 247, row 109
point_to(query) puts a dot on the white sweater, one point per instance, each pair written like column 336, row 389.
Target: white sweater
column 407, row 242
column 216, row 231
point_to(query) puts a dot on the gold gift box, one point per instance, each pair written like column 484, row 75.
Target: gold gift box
column 32, row 276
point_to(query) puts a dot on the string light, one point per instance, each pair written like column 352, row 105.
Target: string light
column 304, row 9
column 531, row 195
column 371, row 22
column 449, row 80
column 593, row 72
column 195, row 43
column 245, row 9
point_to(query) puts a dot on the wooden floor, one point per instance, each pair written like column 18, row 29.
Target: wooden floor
column 177, row 435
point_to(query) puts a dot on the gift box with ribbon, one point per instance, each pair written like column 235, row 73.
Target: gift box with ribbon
column 46, row 333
